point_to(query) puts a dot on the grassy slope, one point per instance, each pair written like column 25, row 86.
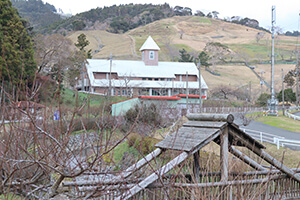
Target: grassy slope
column 68, row 99
column 197, row 31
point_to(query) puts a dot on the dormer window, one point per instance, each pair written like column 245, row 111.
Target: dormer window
column 151, row 55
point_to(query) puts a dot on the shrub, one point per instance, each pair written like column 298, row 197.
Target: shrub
column 147, row 114
column 143, row 144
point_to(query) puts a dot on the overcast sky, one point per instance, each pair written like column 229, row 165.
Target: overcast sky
column 287, row 11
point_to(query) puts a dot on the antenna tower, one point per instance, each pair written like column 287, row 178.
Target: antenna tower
column 273, row 102
column 297, row 66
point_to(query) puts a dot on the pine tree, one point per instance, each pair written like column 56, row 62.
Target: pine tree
column 185, row 56
column 17, row 63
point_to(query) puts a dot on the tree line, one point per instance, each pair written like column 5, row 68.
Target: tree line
column 118, row 19
column 38, row 13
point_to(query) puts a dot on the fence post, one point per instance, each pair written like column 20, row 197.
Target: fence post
column 276, row 141
column 261, row 137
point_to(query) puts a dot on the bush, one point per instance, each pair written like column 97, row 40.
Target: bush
column 143, row 144
column 147, row 114
column 262, row 99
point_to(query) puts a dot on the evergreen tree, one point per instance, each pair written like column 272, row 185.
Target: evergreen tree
column 185, row 56
column 82, row 42
column 289, row 95
column 204, row 57
column 263, row 99
column 17, row 63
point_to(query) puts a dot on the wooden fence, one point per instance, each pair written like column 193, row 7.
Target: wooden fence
column 249, row 185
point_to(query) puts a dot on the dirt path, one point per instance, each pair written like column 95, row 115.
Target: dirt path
column 132, row 46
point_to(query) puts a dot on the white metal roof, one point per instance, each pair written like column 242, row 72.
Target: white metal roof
column 149, row 44
column 129, row 69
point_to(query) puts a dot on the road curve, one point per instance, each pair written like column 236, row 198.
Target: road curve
column 258, row 126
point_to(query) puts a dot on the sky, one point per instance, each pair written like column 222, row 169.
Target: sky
column 287, row 11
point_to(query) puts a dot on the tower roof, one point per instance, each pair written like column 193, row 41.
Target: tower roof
column 149, row 44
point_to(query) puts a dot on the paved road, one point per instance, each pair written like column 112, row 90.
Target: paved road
column 297, row 113
column 257, row 126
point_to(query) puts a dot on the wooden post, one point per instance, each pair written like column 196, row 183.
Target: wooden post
column 154, row 176
column 200, row 87
column 261, row 153
column 196, row 167
column 224, row 154
column 246, row 159
column 187, row 92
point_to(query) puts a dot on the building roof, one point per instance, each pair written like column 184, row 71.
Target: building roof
column 129, row 69
column 150, row 44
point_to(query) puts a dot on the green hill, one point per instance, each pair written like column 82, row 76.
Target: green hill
column 39, row 14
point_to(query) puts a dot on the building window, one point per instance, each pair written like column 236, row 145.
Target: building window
column 144, row 92
column 169, row 79
column 156, row 79
column 144, row 79
column 151, row 55
column 149, row 79
column 143, row 54
column 162, row 79
column 126, row 92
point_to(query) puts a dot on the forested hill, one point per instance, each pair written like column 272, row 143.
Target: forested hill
column 116, row 19
column 38, row 13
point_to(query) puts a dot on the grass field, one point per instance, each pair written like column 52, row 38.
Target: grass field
column 70, row 98
column 280, row 121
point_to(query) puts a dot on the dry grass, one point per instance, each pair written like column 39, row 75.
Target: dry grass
column 289, row 157
column 197, row 31
column 239, row 75
column 104, row 43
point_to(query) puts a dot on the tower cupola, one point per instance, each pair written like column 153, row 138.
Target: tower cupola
column 150, row 52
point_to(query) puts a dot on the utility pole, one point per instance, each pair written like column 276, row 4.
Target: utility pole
column 261, row 81
column 297, row 78
column 297, row 69
column 273, row 56
column 110, row 65
column 82, row 77
column 250, row 92
column 187, row 92
column 200, row 87
column 282, row 91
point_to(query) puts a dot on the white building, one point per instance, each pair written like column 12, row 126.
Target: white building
column 145, row 77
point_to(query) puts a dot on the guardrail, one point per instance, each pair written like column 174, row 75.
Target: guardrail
column 290, row 115
column 262, row 136
column 273, row 139
column 284, row 142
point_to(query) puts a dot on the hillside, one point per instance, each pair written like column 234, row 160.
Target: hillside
column 39, row 14
column 196, row 32
column 115, row 19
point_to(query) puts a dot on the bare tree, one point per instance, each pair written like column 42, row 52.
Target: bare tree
column 217, row 52
column 50, row 50
column 230, row 93
column 37, row 154
column 181, row 32
column 259, row 36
